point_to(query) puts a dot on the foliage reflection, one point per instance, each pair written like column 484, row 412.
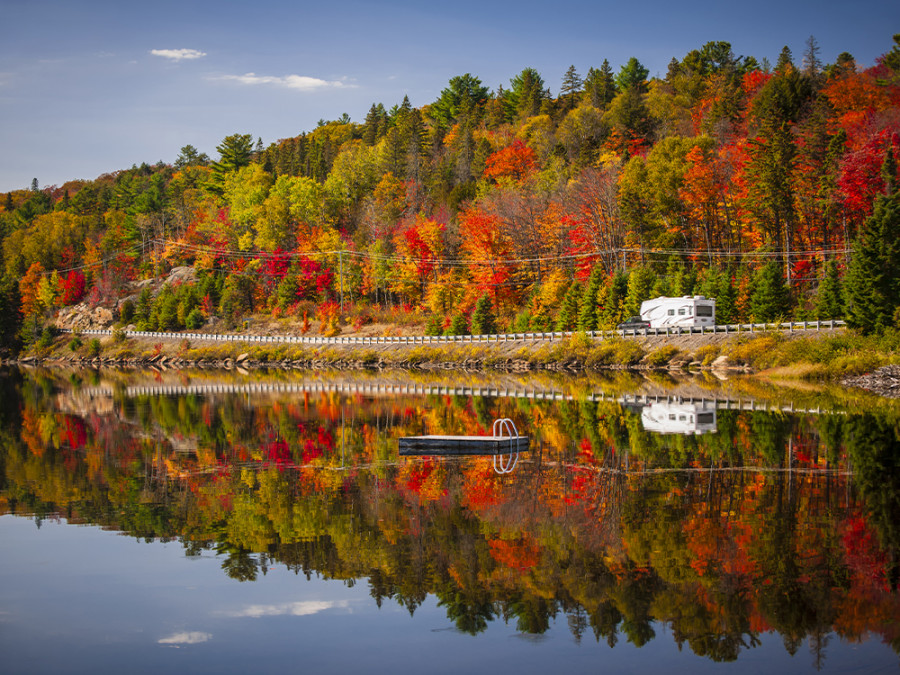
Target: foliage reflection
column 775, row 522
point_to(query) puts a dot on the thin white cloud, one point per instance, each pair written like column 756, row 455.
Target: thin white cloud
column 178, row 54
column 299, row 82
column 191, row 638
column 288, row 608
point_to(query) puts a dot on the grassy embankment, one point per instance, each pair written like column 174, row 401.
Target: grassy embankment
column 824, row 356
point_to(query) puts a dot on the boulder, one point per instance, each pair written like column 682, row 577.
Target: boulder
column 84, row 317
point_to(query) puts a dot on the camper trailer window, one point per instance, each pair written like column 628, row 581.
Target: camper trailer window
column 671, row 312
column 706, row 418
column 682, row 311
column 704, row 310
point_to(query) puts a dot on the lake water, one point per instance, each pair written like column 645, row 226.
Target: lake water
column 262, row 522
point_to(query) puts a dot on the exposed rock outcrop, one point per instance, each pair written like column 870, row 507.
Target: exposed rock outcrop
column 84, row 317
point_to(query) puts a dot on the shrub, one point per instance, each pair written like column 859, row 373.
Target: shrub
column 46, row 339
column 707, row 354
column 580, row 341
column 194, row 319
column 75, row 343
column 329, row 315
column 361, row 319
column 126, row 313
column 662, row 356
column 627, row 352
column 754, row 350
column 94, row 348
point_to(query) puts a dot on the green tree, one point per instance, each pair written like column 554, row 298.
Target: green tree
column 483, row 321
column 190, row 156
column 772, row 154
column 571, row 87
column 10, row 318
column 829, row 300
column 581, row 132
column 527, row 93
column 719, row 285
column 640, row 284
column 587, row 313
column 567, row 318
column 237, row 297
column 633, row 75
column 613, row 310
column 600, row 86
column 459, row 325
column 873, row 277
column 235, row 151
column 628, row 113
column 464, row 92
column 770, row 299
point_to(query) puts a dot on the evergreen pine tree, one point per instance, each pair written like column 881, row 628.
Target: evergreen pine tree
column 889, row 171
column 459, row 325
column 567, row 318
column 717, row 284
column 640, row 285
column 661, row 287
column 613, row 310
column 873, row 277
column 571, row 87
column 708, row 282
column 726, row 299
column 770, row 298
column 683, row 280
column 829, row 303
column 587, row 314
column 434, row 326
column 10, row 318
column 483, row 322
column 370, row 126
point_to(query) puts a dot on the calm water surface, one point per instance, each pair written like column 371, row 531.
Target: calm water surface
column 213, row 522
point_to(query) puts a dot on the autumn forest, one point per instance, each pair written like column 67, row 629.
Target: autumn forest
column 771, row 187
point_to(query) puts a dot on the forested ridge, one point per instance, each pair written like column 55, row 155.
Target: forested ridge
column 769, row 187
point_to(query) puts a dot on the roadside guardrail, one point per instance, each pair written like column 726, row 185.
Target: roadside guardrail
column 790, row 326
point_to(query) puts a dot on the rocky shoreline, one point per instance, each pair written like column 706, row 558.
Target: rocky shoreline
column 366, row 362
column 698, row 353
column 884, row 381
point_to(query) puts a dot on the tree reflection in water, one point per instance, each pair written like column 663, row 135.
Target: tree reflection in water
column 776, row 522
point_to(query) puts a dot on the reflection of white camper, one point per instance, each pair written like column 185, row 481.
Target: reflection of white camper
column 679, row 418
column 686, row 312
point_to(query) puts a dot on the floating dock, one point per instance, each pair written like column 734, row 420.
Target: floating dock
column 463, row 445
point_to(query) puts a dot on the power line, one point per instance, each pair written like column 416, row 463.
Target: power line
column 466, row 262
column 742, row 257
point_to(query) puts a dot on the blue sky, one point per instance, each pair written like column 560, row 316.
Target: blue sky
column 92, row 87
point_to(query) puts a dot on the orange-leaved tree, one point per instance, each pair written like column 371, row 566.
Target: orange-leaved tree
column 488, row 252
column 516, row 161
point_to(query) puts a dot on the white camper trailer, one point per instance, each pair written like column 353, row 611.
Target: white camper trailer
column 685, row 312
column 679, row 418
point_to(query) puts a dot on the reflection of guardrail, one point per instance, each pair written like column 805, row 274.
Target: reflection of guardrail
column 791, row 326
column 422, row 390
